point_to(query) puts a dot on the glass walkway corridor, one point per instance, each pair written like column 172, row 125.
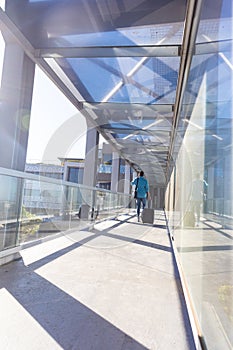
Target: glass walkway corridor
column 154, row 80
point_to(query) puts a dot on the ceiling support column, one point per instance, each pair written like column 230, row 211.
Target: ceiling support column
column 15, row 107
column 127, row 179
column 91, row 158
column 115, row 171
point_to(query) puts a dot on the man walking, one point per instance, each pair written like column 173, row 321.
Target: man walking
column 142, row 189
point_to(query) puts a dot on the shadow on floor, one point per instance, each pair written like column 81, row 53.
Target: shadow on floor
column 70, row 323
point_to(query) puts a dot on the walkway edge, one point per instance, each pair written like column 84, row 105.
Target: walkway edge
column 198, row 339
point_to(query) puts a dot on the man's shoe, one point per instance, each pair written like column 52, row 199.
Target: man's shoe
column 138, row 219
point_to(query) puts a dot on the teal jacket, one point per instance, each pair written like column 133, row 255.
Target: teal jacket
column 142, row 187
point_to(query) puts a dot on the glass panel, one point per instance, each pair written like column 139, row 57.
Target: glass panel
column 31, row 209
column 215, row 24
column 201, row 212
column 124, row 79
column 2, row 48
column 10, row 198
column 54, row 23
column 136, row 35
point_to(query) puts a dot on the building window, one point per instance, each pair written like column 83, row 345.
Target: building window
column 75, row 175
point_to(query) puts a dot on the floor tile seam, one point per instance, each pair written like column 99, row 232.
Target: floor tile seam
column 151, row 238
column 164, row 243
column 143, row 265
column 146, row 233
column 149, row 231
column 110, row 253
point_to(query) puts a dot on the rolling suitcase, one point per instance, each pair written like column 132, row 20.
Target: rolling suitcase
column 189, row 219
column 148, row 216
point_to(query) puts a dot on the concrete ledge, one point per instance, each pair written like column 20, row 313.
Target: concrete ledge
column 9, row 255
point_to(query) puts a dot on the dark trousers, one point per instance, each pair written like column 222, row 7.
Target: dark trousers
column 139, row 201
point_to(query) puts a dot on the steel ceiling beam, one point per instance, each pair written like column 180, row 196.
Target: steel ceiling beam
column 109, row 51
column 165, row 108
column 212, row 47
column 187, row 50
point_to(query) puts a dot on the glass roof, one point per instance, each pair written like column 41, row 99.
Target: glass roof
column 122, row 64
column 124, row 79
column 62, row 23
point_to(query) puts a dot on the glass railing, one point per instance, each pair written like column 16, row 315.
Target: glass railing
column 33, row 207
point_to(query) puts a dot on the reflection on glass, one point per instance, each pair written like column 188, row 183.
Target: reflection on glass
column 31, row 208
column 10, row 198
column 201, row 212
column 2, row 48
